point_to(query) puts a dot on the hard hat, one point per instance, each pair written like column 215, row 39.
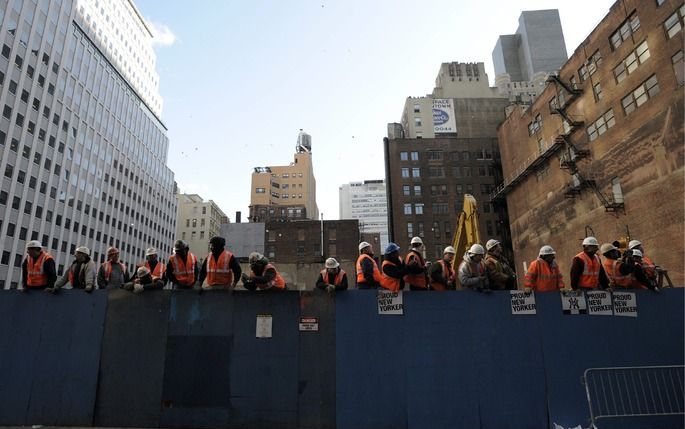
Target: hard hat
column 547, row 250
column 637, row 253
column 634, row 243
column 34, row 244
column 416, row 240
column 477, row 249
column 491, row 243
column 392, row 247
column 255, row 257
column 142, row 271
column 363, row 245
column 112, row 251
column 606, row 248
column 332, row 263
column 84, row 250
column 180, row 245
column 150, row 251
column 449, row 249
column 590, row 241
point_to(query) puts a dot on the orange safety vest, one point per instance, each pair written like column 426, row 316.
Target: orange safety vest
column 360, row 273
column 277, row 282
column 36, row 276
column 589, row 279
column 338, row 277
column 543, row 277
column 158, row 272
column 108, row 269
column 447, row 274
column 649, row 267
column 218, row 271
column 418, row 280
column 387, row 282
column 612, row 269
column 184, row 271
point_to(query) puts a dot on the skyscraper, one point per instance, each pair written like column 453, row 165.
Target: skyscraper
column 82, row 148
column 368, row 202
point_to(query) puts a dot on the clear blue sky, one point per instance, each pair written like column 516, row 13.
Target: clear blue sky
column 240, row 78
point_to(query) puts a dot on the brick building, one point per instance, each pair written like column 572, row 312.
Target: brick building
column 601, row 149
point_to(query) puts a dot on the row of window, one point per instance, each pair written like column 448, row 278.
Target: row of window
column 491, row 227
column 438, row 155
column 439, row 172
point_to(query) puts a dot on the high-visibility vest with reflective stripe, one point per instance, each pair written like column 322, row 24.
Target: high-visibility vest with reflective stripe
column 337, row 281
column 589, row 279
column 649, row 267
column 36, row 276
column 108, row 269
column 612, row 270
column 159, row 270
column 360, row 273
column 447, row 274
column 184, row 271
column 218, row 271
column 387, row 282
column 278, row 281
column 543, row 277
column 418, row 280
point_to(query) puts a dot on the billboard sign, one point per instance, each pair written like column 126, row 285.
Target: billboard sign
column 443, row 116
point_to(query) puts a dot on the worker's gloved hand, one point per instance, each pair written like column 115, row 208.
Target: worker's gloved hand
column 609, row 289
column 138, row 288
column 656, row 289
column 527, row 289
column 330, row 288
column 128, row 286
column 88, row 289
column 244, row 277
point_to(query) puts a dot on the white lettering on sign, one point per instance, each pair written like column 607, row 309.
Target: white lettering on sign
column 625, row 304
column 599, row 303
column 523, row 302
column 390, row 302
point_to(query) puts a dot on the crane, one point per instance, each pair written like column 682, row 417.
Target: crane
column 466, row 233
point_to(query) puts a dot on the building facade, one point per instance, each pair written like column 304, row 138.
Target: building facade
column 198, row 221
column 289, row 186
column 366, row 201
column 82, row 149
column 600, row 152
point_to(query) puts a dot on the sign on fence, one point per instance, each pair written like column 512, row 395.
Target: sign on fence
column 390, row 302
column 264, row 327
column 573, row 302
column 522, row 302
column 625, row 304
column 599, row 303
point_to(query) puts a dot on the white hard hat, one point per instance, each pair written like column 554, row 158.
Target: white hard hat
column 547, row 250
column 34, row 244
column 477, row 249
column 637, row 253
column 150, row 251
column 332, row 263
column 607, row 247
column 363, row 245
column 634, row 243
column 84, row 250
column 590, row 241
column 449, row 249
column 142, row 271
column 255, row 257
column 491, row 243
column 416, row 240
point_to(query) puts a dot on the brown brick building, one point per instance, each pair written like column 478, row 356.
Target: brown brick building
column 601, row 149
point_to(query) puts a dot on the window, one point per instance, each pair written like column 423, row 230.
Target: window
column 435, row 172
column 631, row 62
column 417, row 122
column 3, row 197
column 440, row 208
column 417, row 190
column 414, row 156
column 405, row 173
column 410, row 229
column 623, row 33
column 418, row 208
column 435, row 155
column 593, row 62
column 674, row 23
column 194, row 222
column 6, row 51
column 597, row 89
column 416, row 172
column 407, row 209
column 7, row 112
column 16, row 203
column 678, row 68
column 600, row 126
column 417, row 108
column 13, row 87
column 436, row 229
column 420, row 228
column 534, row 126
column 406, row 190
column 616, row 190
column 9, row 171
column 640, row 95
column 404, row 156
column 583, row 73
column 260, row 190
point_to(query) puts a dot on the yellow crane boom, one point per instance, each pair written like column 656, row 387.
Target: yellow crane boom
column 466, row 233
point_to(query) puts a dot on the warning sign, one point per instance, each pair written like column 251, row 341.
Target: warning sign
column 264, row 326
column 625, row 304
column 522, row 302
column 599, row 303
column 573, row 302
column 309, row 324
column 390, row 302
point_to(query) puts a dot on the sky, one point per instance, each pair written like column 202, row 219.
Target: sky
column 239, row 79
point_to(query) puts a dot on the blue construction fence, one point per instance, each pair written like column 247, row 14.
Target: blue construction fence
column 181, row 359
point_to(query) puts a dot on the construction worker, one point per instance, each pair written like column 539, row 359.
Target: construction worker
column 500, row 273
column 441, row 273
column 80, row 274
column 263, row 275
column 220, row 268
column 332, row 278
column 649, row 267
column 620, row 274
column 368, row 274
column 182, row 270
column 543, row 274
column 156, row 268
column 143, row 281
column 471, row 272
column 393, row 269
column 640, row 279
column 417, row 275
column 38, row 268
column 586, row 268
column 113, row 273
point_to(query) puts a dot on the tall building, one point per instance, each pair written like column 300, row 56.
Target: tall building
column 82, row 148
column 287, row 191
column 198, row 221
column 524, row 59
column 600, row 152
column 445, row 147
column 366, row 201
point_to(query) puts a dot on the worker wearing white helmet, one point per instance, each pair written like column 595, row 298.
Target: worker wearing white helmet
column 38, row 268
column 649, row 267
column 154, row 265
column 332, row 278
column 640, row 279
column 143, row 280
column 619, row 273
column 417, row 273
column 471, row 272
column 500, row 273
column 586, row 268
column 81, row 272
column 442, row 274
column 263, row 275
column 543, row 274
column 368, row 274
column 112, row 273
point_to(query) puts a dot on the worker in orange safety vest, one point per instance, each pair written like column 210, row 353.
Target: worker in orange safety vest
column 332, row 278
column 368, row 274
column 586, row 268
column 417, row 275
column 38, row 268
column 182, row 269
column 543, row 274
column 263, row 275
column 393, row 269
column 112, row 273
column 221, row 269
column 442, row 273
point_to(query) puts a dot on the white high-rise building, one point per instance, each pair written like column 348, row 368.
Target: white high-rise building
column 82, row 148
column 366, row 201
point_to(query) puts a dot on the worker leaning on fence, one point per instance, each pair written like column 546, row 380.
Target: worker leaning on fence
column 441, row 272
column 263, row 275
column 80, row 274
column 417, row 276
column 332, row 278
column 500, row 273
column 112, row 273
column 38, row 268
column 543, row 274
column 152, row 263
column 472, row 273
column 143, row 280
column 221, row 269
column 182, row 270
column 586, row 268
column 368, row 274
column 649, row 267
column 393, row 269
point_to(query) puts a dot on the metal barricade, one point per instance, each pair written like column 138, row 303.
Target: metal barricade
column 638, row 391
